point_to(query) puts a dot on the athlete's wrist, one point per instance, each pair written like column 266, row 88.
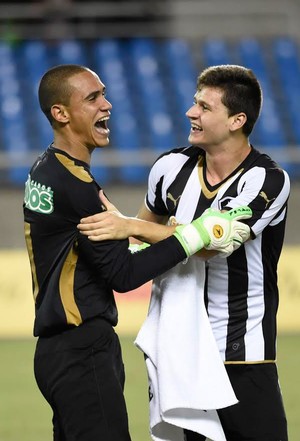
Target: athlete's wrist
column 150, row 232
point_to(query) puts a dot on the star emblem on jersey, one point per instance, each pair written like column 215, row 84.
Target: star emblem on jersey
column 218, row 231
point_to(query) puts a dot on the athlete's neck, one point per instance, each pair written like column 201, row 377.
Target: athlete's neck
column 74, row 148
column 220, row 164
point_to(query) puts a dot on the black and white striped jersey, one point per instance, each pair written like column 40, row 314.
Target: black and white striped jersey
column 241, row 291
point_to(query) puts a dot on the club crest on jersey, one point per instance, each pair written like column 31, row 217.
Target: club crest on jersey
column 38, row 197
column 218, row 231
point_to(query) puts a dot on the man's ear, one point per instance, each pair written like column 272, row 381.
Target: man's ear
column 238, row 120
column 60, row 113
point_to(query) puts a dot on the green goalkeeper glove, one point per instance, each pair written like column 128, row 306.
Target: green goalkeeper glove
column 215, row 231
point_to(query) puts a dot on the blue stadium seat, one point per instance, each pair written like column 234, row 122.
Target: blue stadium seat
column 182, row 77
column 70, row 52
column 286, row 56
column 268, row 129
column 216, row 52
column 147, row 76
column 12, row 114
column 35, row 63
column 125, row 136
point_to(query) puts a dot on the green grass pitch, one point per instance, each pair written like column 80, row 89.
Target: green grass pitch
column 24, row 415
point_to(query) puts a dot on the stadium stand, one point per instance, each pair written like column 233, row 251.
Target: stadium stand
column 34, row 60
column 268, row 130
column 179, row 73
column 286, row 55
column 215, row 51
column 151, row 83
column 14, row 139
column 148, row 80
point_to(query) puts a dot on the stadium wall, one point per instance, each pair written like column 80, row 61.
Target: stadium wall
column 17, row 307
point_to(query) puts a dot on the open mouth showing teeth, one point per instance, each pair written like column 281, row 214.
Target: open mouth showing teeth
column 196, row 128
column 102, row 123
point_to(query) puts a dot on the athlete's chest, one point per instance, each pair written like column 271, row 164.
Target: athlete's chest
column 189, row 196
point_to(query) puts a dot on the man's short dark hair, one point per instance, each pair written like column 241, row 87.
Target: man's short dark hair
column 54, row 87
column 241, row 90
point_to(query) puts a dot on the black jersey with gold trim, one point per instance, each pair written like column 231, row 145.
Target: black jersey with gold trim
column 241, row 291
column 73, row 278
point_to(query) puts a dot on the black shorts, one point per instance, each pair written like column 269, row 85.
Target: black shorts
column 259, row 415
column 80, row 372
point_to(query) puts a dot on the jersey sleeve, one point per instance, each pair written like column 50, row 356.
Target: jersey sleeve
column 123, row 270
column 171, row 171
column 112, row 261
column 154, row 198
column 266, row 192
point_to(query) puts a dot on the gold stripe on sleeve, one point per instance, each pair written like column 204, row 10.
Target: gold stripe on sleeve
column 66, row 289
column 76, row 170
column 31, row 259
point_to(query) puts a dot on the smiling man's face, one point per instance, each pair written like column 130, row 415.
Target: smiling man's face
column 209, row 118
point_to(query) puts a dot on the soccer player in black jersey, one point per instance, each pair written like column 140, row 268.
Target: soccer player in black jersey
column 78, row 362
column 221, row 169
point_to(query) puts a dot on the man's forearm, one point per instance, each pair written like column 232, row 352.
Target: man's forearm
column 149, row 232
column 152, row 232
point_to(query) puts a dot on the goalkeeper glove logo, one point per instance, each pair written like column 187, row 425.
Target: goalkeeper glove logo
column 218, row 231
